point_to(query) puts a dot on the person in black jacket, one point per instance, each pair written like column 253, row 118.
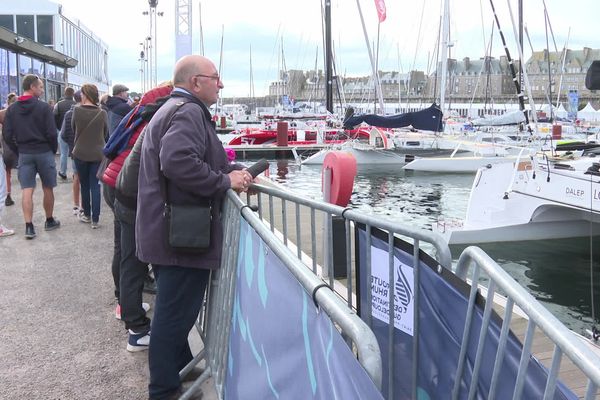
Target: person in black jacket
column 60, row 109
column 118, row 106
column 68, row 136
column 30, row 131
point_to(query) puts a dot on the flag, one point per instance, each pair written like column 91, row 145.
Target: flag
column 380, row 6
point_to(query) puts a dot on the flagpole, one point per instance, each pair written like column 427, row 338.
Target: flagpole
column 373, row 67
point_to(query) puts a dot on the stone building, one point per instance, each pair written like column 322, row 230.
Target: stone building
column 487, row 79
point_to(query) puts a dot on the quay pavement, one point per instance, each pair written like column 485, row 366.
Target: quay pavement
column 59, row 338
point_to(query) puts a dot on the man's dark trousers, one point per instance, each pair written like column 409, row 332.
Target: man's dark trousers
column 180, row 293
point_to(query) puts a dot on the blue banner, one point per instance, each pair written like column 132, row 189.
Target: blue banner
column 442, row 315
column 573, row 97
column 281, row 346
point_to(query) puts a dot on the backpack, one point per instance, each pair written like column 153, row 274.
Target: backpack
column 119, row 139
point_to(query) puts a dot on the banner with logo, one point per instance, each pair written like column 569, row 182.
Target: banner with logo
column 442, row 314
column 281, row 346
column 573, row 97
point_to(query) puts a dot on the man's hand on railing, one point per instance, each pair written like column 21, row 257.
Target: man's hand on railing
column 240, row 180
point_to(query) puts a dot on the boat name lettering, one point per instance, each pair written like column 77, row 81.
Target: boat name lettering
column 596, row 195
column 574, row 192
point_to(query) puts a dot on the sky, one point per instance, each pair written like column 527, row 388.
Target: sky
column 258, row 32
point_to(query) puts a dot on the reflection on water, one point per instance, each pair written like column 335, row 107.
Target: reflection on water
column 556, row 272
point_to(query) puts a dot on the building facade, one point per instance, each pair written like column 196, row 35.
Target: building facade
column 43, row 22
column 486, row 80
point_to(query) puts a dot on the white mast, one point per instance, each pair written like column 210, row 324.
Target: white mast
column 444, row 53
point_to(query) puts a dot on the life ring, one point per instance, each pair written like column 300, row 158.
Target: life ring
column 343, row 171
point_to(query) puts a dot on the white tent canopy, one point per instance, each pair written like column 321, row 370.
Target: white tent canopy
column 588, row 113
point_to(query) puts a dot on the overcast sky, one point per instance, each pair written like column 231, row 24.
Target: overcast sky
column 407, row 37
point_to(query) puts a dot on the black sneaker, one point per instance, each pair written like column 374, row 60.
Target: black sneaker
column 8, row 201
column 51, row 224
column 29, row 231
column 62, row 176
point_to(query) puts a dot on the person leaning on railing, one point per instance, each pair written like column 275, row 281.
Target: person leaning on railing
column 183, row 163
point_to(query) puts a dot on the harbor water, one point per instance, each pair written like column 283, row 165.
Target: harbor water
column 556, row 272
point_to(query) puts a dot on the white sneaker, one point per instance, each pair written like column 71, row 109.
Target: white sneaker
column 85, row 219
column 94, row 225
column 76, row 210
column 4, row 231
column 138, row 341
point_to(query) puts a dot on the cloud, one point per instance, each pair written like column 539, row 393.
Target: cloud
column 408, row 38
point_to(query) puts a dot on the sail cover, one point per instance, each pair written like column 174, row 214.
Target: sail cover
column 509, row 118
column 429, row 119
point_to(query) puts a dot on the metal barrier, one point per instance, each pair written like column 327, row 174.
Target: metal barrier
column 565, row 342
column 221, row 296
column 290, row 226
column 325, row 259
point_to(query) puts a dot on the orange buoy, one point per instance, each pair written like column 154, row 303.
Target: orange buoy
column 343, row 171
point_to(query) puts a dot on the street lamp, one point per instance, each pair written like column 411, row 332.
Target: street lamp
column 152, row 39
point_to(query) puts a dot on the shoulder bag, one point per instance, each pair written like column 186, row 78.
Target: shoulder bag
column 188, row 226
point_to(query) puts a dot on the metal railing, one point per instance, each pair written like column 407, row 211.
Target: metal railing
column 299, row 231
column 304, row 211
column 565, row 342
column 221, row 297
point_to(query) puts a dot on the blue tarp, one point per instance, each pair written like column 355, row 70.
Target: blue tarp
column 429, row 119
column 280, row 345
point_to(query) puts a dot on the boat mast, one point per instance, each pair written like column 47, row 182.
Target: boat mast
column 201, row 31
column 444, row 53
column 328, row 61
column 520, row 93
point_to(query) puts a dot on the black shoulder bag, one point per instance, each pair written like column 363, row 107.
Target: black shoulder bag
column 188, row 226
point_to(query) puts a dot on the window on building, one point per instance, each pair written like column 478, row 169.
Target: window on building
column 7, row 21
column 25, row 26
column 24, row 65
column 50, row 71
column 38, row 68
column 4, row 86
column 12, row 72
column 44, row 29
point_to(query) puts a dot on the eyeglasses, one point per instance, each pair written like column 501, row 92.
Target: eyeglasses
column 215, row 77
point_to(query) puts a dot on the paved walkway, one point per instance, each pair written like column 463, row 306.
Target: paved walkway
column 59, row 338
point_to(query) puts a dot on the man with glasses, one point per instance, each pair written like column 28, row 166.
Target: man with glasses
column 181, row 143
column 30, row 131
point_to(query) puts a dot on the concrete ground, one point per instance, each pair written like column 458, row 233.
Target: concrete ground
column 59, row 338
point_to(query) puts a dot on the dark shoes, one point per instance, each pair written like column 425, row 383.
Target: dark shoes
column 8, row 201
column 51, row 224
column 29, row 231
column 62, row 176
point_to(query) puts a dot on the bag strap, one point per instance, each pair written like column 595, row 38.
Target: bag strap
column 162, row 178
column 90, row 122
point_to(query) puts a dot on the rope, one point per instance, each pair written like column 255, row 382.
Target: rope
column 595, row 333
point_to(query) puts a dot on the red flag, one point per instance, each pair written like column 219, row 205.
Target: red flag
column 380, row 6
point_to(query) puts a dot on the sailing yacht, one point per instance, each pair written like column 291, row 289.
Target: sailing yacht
column 533, row 198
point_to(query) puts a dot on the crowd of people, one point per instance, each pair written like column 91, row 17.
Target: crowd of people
column 160, row 151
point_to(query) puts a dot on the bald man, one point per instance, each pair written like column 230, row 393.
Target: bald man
column 182, row 145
